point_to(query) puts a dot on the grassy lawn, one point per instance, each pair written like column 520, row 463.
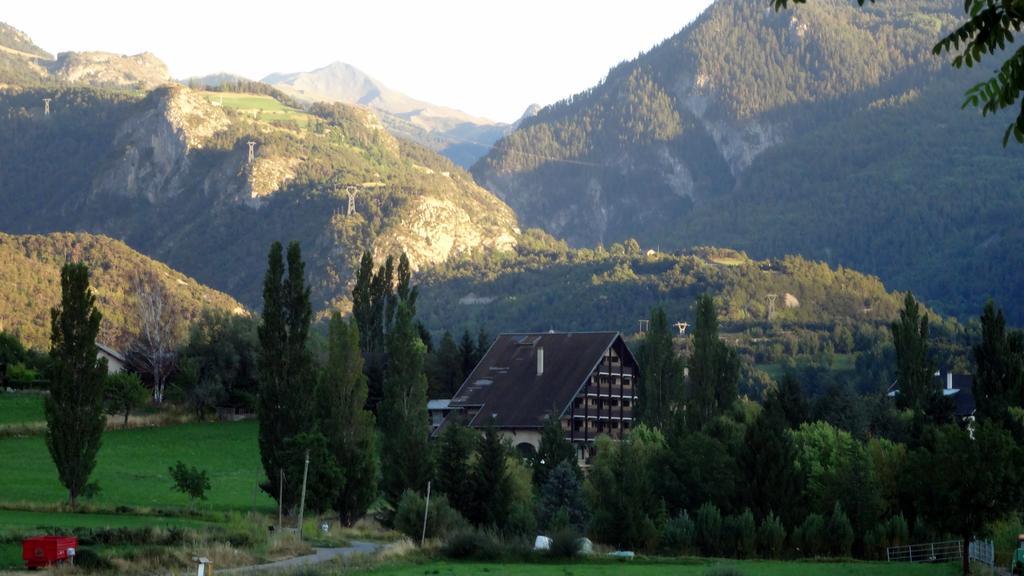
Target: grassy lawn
column 21, row 407
column 10, row 555
column 269, row 108
column 21, row 519
column 132, row 467
column 668, row 568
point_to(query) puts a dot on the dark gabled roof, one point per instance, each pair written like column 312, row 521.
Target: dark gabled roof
column 505, row 382
column 961, row 393
column 115, row 354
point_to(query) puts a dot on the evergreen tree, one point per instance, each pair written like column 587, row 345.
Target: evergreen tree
column 714, row 368
column 468, row 351
column 454, row 472
column 491, row 484
column 660, row 389
column 913, row 367
column 285, row 371
column 791, row 398
column 362, row 301
column 999, row 357
column 483, row 344
column 446, row 371
column 771, row 482
column 405, row 453
column 553, row 450
column 74, row 407
column 348, row 428
column 562, row 494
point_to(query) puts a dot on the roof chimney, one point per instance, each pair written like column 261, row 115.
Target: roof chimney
column 540, row 361
column 949, row 380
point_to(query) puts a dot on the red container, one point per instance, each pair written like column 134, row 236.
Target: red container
column 42, row 551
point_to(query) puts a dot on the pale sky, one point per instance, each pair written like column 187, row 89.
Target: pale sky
column 488, row 58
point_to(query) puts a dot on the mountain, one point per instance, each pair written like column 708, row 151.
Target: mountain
column 828, row 130
column 170, row 175
column 30, row 272
column 22, row 63
column 141, row 71
column 461, row 137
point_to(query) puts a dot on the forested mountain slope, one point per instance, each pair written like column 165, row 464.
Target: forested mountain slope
column 169, row 174
column 30, row 277
column 818, row 311
column 828, row 130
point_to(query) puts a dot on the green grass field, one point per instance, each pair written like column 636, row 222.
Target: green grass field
column 132, row 467
column 269, row 109
column 21, row 519
column 20, row 408
column 10, row 555
column 643, row 568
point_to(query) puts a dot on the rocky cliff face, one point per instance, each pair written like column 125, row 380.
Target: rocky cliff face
column 175, row 181
column 144, row 71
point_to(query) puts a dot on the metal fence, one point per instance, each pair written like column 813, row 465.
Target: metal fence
column 982, row 551
column 947, row 551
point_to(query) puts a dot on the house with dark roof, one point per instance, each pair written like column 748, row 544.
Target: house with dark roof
column 587, row 380
column 116, row 361
column 958, row 388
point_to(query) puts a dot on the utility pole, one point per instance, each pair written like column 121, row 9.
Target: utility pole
column 252, row 153
column 46, row 106
column 280, row 499
column 426, row 511
column 302, row 501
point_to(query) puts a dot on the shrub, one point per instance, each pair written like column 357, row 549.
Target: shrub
column 840, row 533
column 441, row 518
column 521, row 520
column 740, row 534
column 771, row 537
column 470, row 544
column 809, row 538
column 565, row 543
column 708, row 529
column 90, row 561
column 190, row 480
column 892, row 532
column 677, row 537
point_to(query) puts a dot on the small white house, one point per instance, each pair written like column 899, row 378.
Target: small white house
column 115, row 360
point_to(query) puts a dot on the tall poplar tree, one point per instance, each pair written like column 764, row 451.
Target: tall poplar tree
column 74, row 408
column 917, row 390
column 660, row 386
column 285, row 371
column 345, row 423
column 999, row 381
column 714, row 368
column 405, row 453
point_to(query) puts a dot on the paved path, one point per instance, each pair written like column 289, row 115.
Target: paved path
column 320, row 555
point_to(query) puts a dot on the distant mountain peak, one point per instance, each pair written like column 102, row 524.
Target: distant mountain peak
column 460, row 136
